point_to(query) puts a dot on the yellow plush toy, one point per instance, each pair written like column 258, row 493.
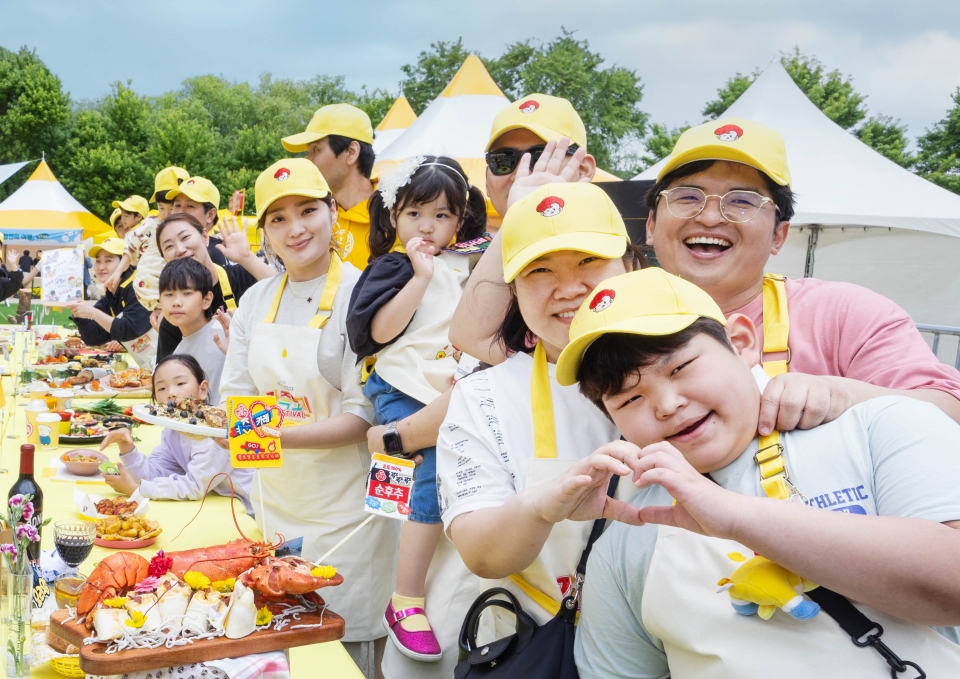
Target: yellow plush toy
column 759, row 586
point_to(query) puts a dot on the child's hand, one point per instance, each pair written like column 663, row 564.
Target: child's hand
column 155, row 317
column 124, row 483
column 113, row 346
column 421, row 257
column 701, row 505
column 553, row 167
column 799, row 401
column 122, row 438
column 114, row 280
column 581, row 493
column 224, row 319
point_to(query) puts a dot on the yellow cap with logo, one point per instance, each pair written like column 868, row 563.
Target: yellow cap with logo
column 289, row 177
column 136, row 204
column 735, row 139
column 340, row 119
column 114, row 217
column 115, row 246
column 574, row 216
column 168, row 178
column 550, row 118
column 197, row 189
column 645, row 302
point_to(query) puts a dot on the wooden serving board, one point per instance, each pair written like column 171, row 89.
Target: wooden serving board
column 94, row 659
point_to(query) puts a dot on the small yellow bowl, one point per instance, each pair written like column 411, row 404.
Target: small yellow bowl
column 68, row 666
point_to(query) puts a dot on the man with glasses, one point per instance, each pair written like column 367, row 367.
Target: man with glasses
column 525, row 126
column 721, row 207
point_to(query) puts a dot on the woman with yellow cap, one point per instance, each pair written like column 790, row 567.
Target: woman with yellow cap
column 117, row 316
column 288, row 338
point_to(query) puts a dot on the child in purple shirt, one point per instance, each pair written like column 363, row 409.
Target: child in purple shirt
column 180, row 467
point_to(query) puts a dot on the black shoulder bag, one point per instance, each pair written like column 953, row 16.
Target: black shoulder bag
column 533, row 651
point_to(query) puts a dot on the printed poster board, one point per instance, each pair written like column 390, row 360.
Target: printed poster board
column 62, row 272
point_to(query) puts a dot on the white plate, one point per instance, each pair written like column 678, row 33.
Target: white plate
column 140, row 412
column 69, row 365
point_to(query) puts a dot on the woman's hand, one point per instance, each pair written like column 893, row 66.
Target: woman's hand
column 82, row 309
column 13, row 259
column 799, row 401
column 421, row 257
column 124, row 483
column 580, row 494
column 701, row 505
column 224, row 319
column 121, row 436
column 235, row 246
column 113, row 346
column 554, row 166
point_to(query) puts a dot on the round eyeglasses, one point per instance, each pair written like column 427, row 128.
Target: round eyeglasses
column 685, row 202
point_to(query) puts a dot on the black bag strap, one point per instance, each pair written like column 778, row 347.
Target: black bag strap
column 596, row 531
column 862, row 630
column 526, row 626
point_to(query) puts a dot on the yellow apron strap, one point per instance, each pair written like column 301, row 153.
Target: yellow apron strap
column 325, row 307
column 225, row 288
column 774, row 478
column 776, row 323
column 542, row 600
column 541, row 402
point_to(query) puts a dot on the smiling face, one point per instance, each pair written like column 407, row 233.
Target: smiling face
column 724, row 258
column 550, row 289
column 702, row 398
column 298, row 229
column 181, row 239
column 104, row 265
column 434, row 222
column 174, row 380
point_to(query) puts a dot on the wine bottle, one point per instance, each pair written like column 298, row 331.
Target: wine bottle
column 26, row 485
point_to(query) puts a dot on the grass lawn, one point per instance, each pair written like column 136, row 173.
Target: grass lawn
column 41, row 315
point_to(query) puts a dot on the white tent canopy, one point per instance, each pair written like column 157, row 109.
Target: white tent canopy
column 866, row 219
column 7, row 171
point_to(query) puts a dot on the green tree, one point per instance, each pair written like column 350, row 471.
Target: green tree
column 659, row 143
column 434, row 69
column 33, row 107
column 888, row 137
column 728, row 94
column 939, row 157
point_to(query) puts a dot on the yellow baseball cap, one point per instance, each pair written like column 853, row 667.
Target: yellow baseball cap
column 645, row 302
column 342, row 119
column 735, row 139
column 197, row 189
column 289, row 177
column 136, row 204
column 550, row 118
column 168, row 178
column 114, row 217
column 574, row 216
column 115, row 246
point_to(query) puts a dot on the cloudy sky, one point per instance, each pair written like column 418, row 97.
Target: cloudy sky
column 905, row 56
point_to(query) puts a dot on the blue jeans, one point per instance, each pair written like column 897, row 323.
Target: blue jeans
column 390, row 405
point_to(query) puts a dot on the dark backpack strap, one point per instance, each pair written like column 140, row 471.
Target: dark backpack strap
column 862, row 630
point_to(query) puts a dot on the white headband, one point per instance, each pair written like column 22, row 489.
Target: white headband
column 400, row 176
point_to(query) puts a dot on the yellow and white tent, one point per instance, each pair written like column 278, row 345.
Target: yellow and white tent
column 43, row 213
column 398, row 118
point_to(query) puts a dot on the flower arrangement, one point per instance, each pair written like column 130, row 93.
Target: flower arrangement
column 20, row 511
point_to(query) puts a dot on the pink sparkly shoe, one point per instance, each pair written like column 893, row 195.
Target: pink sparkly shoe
column 422, row 646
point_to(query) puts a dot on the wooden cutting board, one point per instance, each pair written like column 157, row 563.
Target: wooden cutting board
column 94, row 659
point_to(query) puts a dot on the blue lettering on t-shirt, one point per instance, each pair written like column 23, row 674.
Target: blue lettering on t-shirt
column 840, row 498
column 860, row 494
column 851, row 509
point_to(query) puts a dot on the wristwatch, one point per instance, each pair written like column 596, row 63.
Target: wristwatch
column 392, row 445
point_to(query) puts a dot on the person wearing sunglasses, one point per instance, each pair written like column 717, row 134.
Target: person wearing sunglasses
column 525, row 126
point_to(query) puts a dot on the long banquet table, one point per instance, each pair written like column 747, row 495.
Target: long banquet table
column 212, row 526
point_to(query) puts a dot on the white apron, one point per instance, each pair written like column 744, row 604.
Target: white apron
column 317, row 496
column 705, row 638
column 581, row 428
column 143, row 349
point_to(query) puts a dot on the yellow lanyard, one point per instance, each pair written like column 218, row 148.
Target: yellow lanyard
column 325, row 307
column 774, row 477
column 541, row 402
column 226, row 291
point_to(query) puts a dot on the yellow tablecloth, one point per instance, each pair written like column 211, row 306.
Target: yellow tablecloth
column 214, row 524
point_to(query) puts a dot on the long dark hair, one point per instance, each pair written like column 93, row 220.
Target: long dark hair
column 427, row 184
column 187, row 361
column 514, row 335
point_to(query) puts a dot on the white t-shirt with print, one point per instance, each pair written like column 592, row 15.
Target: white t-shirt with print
column 890, row 456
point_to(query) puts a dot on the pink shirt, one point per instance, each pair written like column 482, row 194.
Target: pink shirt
column 845, row 330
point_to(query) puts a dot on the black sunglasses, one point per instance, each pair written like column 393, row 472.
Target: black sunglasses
column 504, row 161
